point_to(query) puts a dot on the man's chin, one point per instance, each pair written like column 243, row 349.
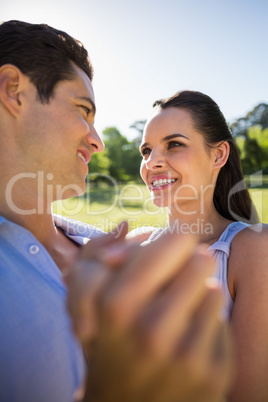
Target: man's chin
column 71, row 190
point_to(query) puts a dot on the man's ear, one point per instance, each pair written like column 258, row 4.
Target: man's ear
column 221, row 154
column 10, row 88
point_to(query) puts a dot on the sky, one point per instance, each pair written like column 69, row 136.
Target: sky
column 145, row 50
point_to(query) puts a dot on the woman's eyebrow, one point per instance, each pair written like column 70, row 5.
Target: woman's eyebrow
column 167, row 138
column 145, row 144
column 170, row 137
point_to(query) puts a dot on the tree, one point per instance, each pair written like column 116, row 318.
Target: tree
column 254, row 158
column 251, row 133
column 257, row 117
column 115, row 144
column 132, row 160
column 99, row 163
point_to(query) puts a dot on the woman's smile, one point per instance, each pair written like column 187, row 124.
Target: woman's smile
column 176, row 165
column 160, row 182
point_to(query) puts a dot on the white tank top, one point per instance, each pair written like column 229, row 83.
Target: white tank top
column 220, row 251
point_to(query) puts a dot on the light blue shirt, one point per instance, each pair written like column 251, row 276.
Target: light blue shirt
column 40, row 359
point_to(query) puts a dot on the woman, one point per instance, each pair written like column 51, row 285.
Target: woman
column 191, row 166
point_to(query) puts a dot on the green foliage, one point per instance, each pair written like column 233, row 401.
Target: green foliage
column 257, row 117
column 105, row 206
column 100, row 163
column 251, row 133
column 115, row 145
column 138, row 126
column 254, row 156
column 260, row 135
column 120, row 158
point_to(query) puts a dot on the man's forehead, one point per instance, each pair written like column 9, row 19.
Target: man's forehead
column 87, row 84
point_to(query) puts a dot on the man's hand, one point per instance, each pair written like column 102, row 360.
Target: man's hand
column 86, row 278
column 159, row 336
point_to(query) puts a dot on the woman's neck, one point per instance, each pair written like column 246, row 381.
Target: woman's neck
column 207, row 226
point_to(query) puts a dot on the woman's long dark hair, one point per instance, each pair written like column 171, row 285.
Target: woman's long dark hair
column 231, row 196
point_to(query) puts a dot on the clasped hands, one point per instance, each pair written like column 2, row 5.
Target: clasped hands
column 149, row 319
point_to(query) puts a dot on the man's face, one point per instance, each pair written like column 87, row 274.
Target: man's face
column 59, row 137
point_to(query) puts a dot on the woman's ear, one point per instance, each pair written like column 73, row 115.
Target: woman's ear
column 221, row 154
column 10, row 84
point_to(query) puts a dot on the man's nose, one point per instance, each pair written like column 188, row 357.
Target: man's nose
column 95, row 141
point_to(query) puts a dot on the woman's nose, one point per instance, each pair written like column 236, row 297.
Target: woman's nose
column 155, row 160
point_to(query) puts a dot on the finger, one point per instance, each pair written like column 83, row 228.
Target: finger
column 152, row 267
column 115, row 254
column 206, row 348
column 217, row 372
column 223, row 364
column 84, row 286
column 110, row 249
column 88, row 276
column 200, row 336
column 169, row 316
column 93, row 246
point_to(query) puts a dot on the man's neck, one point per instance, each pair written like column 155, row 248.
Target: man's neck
column 40, row 225
column 61, row 248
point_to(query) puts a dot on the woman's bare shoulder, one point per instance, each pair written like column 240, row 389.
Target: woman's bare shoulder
column 248, row 264
column 249, row 252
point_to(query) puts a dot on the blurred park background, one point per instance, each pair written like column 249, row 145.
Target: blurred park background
column 144, row 50
column 115, row 191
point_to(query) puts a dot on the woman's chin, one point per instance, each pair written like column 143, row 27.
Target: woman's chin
column 159, row 202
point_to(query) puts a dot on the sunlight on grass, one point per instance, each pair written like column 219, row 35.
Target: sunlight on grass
column 260, row 199
column 105, row 207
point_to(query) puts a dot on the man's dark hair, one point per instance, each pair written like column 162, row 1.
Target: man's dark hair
column 45, row 54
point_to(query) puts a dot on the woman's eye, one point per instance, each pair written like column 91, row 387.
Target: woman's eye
column 175, row 144
column 145, row 151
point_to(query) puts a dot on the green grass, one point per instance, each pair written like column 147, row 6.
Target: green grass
column 106, row 206
column 260, row 199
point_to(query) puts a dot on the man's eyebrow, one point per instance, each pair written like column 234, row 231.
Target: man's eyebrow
column 167, row 138
column 89, row 100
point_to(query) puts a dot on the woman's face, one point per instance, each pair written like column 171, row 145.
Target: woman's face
column 176, row 166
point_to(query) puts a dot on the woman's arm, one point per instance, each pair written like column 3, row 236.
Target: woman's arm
column 248, row 281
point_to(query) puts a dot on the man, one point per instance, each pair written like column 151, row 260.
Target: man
column 127, row 300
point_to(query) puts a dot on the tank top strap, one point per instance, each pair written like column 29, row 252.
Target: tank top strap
column 220, row 251
column 220, row 246
column 225, row 240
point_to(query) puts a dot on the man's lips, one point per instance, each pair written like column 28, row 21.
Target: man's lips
column 84, row 154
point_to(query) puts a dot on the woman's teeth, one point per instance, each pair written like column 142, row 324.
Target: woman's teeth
column 162, row 182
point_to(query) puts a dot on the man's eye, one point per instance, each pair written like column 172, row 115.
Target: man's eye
column 145, row 151
column 86, row 109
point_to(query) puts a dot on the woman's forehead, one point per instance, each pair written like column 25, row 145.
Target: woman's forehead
column 171, row 118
